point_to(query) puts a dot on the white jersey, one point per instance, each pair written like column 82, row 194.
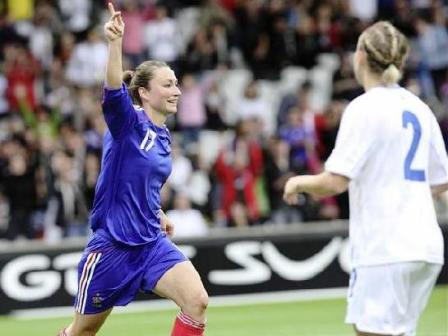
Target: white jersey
column 390, row 146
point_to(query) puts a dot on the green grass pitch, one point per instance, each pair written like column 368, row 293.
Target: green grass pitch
column 314, row 318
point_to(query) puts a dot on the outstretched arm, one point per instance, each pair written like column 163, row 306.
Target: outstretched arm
column 323, row 184
column 114, row 30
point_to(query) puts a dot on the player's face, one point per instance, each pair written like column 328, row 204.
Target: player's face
column 164, row 93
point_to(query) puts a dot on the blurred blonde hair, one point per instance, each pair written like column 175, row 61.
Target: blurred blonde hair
column 387, row 50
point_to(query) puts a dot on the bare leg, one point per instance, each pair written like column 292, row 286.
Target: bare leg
column 86, row 325
column 183, row 285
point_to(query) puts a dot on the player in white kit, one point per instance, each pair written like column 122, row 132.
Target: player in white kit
column 390, row 154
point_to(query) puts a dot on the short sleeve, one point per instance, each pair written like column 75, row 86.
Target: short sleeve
column 438, row 160
column 118, row 110
column 354, row 142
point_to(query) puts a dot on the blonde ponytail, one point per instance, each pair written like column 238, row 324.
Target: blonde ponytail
column 391, row 75
column 387, row 50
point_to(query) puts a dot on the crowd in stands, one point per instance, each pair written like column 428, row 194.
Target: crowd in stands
column 264, row 85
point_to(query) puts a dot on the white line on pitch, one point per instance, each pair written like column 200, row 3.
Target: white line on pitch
column 215, row 301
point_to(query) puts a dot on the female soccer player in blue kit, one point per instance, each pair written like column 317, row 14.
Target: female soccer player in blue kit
column 129, row 250
column 390, row 153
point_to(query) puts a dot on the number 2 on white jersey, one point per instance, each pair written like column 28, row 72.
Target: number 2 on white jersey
column 409, row 173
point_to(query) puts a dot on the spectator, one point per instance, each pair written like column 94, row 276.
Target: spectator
column 161, row 37
column 214, row 105
column 327, row 127
column 300, row 139
column 4, row 106
column 41, row 41
column 191, row 115
column 345, row 85
column 277, row 171
column 87, row 63
column 182, row 168
column 21, row 70
column 4, row 215
column 201, row 53
column 309, row 114
column 300, row 96
column 76, row 14
column 212, row 11
column 93, row 136
column 307, row 43
column 188, row 222
column 92, row 170
column 72, row 209
column 237, row 168
column 133, row 43
column 432, row 42
column 251, row 19
column 199, row 185
column 64, row 47
column 404, row 17
column 20, row 181
column 281, row 44
column 8, row 33
column 252, row 106
column 221, row 37
column 18, row 11
column 365, row 10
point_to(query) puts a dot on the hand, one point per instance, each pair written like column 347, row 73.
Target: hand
column 114, row 28
column 166, row 224
column 291, row 192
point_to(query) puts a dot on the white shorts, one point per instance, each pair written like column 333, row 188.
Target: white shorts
column 388, row 299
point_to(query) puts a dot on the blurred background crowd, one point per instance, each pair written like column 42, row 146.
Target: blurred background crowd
column 264, row 85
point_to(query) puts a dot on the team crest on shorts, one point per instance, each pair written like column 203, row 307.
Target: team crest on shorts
column 97, row 300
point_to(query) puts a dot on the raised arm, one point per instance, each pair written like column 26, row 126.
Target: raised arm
column 114, row 30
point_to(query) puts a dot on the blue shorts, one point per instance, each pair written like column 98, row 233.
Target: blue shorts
column 110, row 274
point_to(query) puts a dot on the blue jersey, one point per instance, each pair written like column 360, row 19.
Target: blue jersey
column 136, row 163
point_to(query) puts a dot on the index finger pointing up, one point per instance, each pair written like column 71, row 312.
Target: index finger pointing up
column 111, row 8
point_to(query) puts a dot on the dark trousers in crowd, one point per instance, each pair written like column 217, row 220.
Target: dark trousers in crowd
column 20, row 224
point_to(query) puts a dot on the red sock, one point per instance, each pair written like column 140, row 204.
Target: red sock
column 186, row 326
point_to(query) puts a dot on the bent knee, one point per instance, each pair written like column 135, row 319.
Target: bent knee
column 198, row 302
column 204, row 300
column 201, row 300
